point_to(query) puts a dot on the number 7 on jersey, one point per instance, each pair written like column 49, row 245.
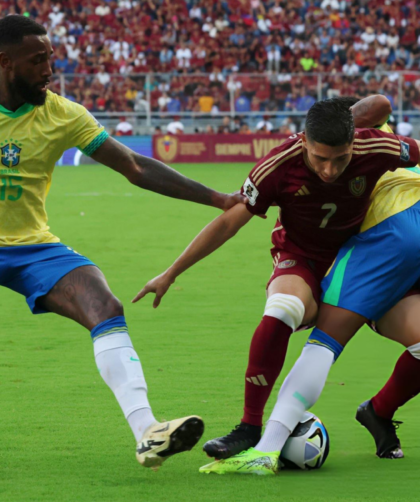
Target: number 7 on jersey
column 332, row 208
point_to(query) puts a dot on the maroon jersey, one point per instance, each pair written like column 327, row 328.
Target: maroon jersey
column 316, row 218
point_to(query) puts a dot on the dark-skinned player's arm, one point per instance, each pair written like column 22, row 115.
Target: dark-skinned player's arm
column 156, row 176
column 372, row 111
column 214, row 235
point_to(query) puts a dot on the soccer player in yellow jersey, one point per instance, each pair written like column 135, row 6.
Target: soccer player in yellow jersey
column 36, row 127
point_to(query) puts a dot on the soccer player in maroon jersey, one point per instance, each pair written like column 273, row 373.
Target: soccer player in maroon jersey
column 322, row 180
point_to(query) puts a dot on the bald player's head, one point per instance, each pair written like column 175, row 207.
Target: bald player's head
column 25, row 52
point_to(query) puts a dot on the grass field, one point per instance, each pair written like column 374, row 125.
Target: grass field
column 63, row 436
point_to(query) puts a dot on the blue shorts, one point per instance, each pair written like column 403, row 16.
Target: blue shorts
column 33, row 271
column 375, row 269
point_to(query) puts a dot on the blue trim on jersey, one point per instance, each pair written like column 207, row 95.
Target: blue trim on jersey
column 34, row 270
column 109, row 327
column 91, row 148
column 318, row 337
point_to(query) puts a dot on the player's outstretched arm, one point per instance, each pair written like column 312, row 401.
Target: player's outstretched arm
column 214, row 235
column 156, row 176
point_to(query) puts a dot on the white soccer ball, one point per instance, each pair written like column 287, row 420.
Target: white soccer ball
column 308, row 445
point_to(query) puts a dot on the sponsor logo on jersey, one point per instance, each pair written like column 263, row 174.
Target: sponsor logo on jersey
column 303, row 191
column 357, row 186
column 167, row 147
column 250, row 190
column 405, row 151
column 287, row 264
column 10, row 153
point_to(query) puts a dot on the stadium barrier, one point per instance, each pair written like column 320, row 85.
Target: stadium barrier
column 200, row 148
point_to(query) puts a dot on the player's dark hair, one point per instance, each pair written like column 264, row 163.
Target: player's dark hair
column 330, row 122
column 14, row 28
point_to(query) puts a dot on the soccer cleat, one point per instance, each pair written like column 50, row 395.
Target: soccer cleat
column 162, row 440
column 382, row 429
column 248, row 462
column 242, row 437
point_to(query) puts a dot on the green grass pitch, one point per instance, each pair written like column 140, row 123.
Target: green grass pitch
column 63, row 436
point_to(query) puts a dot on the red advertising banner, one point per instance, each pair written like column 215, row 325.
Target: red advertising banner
column 217, row 148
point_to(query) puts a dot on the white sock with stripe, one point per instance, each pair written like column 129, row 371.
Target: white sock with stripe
column 299, row 392
column 120, row 368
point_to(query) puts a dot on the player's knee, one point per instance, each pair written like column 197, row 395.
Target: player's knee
column 287, row 308
column 113, row 307
column 109, row 308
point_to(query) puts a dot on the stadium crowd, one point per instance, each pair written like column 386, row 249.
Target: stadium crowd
column 351, row 42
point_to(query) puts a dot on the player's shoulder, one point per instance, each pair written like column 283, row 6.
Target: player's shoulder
column 372, row 134
column 275, row 162
column 61, row 105
column 293, row 142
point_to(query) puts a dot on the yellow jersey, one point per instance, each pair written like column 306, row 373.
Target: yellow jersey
column 394, row 192
column 32, row 140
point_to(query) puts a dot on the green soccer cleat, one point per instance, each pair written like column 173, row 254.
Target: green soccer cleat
column 250, row 461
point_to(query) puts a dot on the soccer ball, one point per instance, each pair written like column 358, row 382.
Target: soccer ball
column 308, row 445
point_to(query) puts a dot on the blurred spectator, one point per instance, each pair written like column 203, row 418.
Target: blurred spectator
column 273, row 58
column 195, row 12
column 102, row 76
column 404, row 128
column 245, row 129
column 242, row 104
column 163, row 102
column 174, row 104
column 175, row 127
column 307, row 62
column 206, row 102
column 166, row 55
column 124, row 128
column 209, row 129
column 351, row 68
column 265, row 124
column 183, row 55
column 61, row 63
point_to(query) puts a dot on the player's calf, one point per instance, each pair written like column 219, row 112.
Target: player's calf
column 283, row 314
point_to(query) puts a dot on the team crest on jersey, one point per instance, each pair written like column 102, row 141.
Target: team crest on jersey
column 167, row 147
column 357, row 186
column 405, row 151
column 287, row 264
column 250, row 190
column 10, row 153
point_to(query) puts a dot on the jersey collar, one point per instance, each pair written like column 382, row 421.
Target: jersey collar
column 23, row 110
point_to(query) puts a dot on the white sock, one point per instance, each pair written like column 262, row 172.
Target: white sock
column 119, row 366
column 275, row 433
column 300, row 390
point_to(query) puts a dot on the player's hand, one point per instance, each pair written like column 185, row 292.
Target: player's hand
column 237, row 198
column 231, row 199
column 159, row 285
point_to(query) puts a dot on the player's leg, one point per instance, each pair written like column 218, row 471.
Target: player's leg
column 306, row 380
column 400, row 324
column 290, row 304
column 372, row 272
column 84, row 296
column 299, row 392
